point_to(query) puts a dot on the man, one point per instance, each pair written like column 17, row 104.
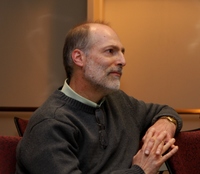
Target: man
column 89, row 125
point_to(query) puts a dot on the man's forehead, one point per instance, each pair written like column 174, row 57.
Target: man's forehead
column 98, row 31
column 104, row 36
column 95, row 26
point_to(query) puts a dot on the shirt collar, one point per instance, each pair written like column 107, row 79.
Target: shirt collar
column 68, row 91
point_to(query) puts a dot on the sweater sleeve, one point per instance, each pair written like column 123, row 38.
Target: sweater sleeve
column 146, row 114
column 163, row 110
column 135, row 169
column 149, row 113
column 168, row 111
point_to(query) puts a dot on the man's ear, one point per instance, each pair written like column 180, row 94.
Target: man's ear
column 78, row 57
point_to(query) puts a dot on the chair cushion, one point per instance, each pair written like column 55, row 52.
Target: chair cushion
column 187, row 159
column 8, row 146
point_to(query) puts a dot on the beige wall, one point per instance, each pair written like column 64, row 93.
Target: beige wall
column 162, row 41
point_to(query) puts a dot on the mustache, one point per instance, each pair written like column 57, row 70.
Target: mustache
column 116, row 70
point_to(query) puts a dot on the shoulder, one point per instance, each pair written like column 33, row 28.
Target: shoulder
column 53, row 112
column 121, row 97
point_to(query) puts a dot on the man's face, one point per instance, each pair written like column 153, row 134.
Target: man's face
column 105, row 59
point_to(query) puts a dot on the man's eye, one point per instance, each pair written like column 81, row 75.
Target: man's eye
column 111, row 51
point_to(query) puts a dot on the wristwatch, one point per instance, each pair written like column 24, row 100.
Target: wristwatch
column 170, row 119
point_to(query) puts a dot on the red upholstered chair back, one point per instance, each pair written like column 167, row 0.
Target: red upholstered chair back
column 20, row 125
column 187, row 159
column 8, row 146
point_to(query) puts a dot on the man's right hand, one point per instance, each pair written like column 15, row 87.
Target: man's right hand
column 158, row 155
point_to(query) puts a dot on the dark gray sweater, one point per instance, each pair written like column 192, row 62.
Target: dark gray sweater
column 62, row 136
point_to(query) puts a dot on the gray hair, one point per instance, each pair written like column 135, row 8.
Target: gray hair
column 77, row 38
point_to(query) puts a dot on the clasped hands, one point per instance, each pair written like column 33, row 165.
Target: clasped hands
column 158, row 146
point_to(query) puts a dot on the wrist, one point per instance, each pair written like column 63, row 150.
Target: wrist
column 170, row 119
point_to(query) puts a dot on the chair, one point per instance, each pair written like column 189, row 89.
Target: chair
column 8, row 146
column 20, row 125
column 187, row 159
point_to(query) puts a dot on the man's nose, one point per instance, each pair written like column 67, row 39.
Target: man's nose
column 121, row 60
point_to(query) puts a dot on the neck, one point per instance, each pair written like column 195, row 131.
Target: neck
column 86, row 90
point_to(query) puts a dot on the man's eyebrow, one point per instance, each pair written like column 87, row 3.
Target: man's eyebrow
column 118, row 48
column 123, row 50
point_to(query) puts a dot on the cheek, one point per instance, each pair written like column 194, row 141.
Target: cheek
column 104, row 63
column 98, row 63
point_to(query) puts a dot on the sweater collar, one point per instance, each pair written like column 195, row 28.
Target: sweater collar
column 68, row 91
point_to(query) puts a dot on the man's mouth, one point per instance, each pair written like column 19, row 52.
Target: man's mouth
column 116, row 73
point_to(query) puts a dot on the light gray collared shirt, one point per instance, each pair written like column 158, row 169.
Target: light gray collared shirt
column 68, row 91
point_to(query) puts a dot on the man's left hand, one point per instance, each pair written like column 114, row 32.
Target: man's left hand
column 161, row 125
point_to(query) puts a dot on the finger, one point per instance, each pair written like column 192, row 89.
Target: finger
column 168, row 137
column 156, row 143
column 169, row 144
column 149, row 146
column 148, row 141
column 160, row 143
column 170, row 153
column 149, row 134
column 159, row 149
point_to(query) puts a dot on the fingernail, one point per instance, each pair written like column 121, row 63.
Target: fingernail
column 158, row 152
column 146, row 152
